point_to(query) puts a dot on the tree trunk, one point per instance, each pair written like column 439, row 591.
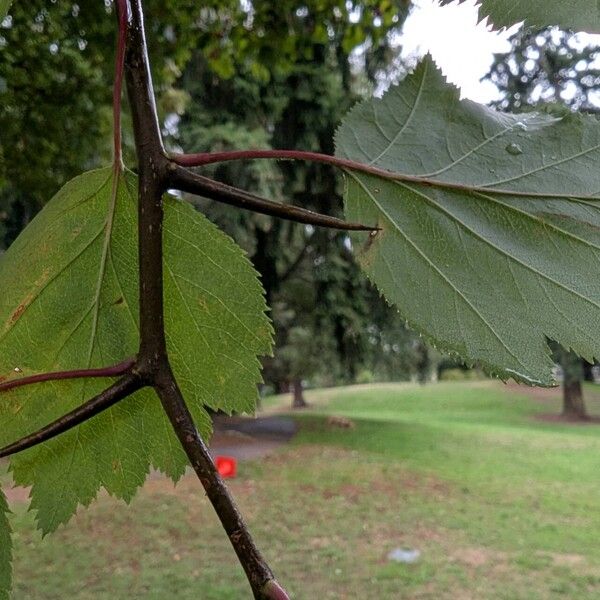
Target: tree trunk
column 573, row 403
column 423, row 364
column 298, row 388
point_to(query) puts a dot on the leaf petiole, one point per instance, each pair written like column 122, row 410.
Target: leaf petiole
column 208, row 158
column 110, row 371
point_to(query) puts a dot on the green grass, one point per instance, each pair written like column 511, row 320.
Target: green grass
column 500, row 503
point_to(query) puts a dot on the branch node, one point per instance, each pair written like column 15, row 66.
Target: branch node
column 121, row 389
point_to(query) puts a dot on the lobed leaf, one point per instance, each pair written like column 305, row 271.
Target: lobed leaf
column 490, row 222
column 579, row 15
column 5, row 550
column 70, row 298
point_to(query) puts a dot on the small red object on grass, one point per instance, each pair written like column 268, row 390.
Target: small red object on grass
column 226, row 465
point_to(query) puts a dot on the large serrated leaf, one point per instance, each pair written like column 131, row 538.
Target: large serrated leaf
column 69, row 300
column 490, row 235
column 5, row 550
column 579, row 15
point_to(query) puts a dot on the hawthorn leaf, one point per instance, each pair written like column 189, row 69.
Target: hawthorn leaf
column 490, row 222
column 5, row 550
column 579, row 15
column 69, row 300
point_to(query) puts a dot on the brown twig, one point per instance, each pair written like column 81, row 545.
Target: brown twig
column 257, row 571
column 153, row 362
column 187, row 181
column 156, row 174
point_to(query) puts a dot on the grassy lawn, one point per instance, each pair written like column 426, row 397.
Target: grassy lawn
column 500, row 503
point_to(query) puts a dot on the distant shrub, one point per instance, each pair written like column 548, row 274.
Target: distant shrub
column 460, row 375
column 365, row 376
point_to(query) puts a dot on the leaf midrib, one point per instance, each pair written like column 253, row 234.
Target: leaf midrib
column 108, row 227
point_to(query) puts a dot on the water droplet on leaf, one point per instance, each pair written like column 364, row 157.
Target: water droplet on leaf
column 514, row 149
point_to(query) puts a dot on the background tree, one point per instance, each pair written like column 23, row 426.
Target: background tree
column 572, row 367
column 292, row 94
column 548, row 66
column 71, row 43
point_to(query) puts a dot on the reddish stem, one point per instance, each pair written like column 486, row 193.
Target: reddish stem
column 112, row 371
column 207, row 158
column 123, row 14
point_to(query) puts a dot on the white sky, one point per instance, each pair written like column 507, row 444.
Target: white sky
column 460, row 46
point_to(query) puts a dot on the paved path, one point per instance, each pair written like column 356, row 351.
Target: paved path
column 246, row 438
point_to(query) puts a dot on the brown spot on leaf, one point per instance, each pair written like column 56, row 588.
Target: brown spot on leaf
column 202, row 303
column 20, row 310
column 37, row 286
column 367, row 250
column 41, row 280
column 119, row 300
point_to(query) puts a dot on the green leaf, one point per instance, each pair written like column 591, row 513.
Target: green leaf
column 5, row 550
column 579, row 15
column 70, row 297
column 501, row 246
column 4, row 6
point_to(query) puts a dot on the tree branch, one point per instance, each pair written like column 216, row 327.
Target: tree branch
column 257, row 571
column 112, row 371
column 153, row 363
column 151, row 174
column 186, row 181
column 122, row 388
